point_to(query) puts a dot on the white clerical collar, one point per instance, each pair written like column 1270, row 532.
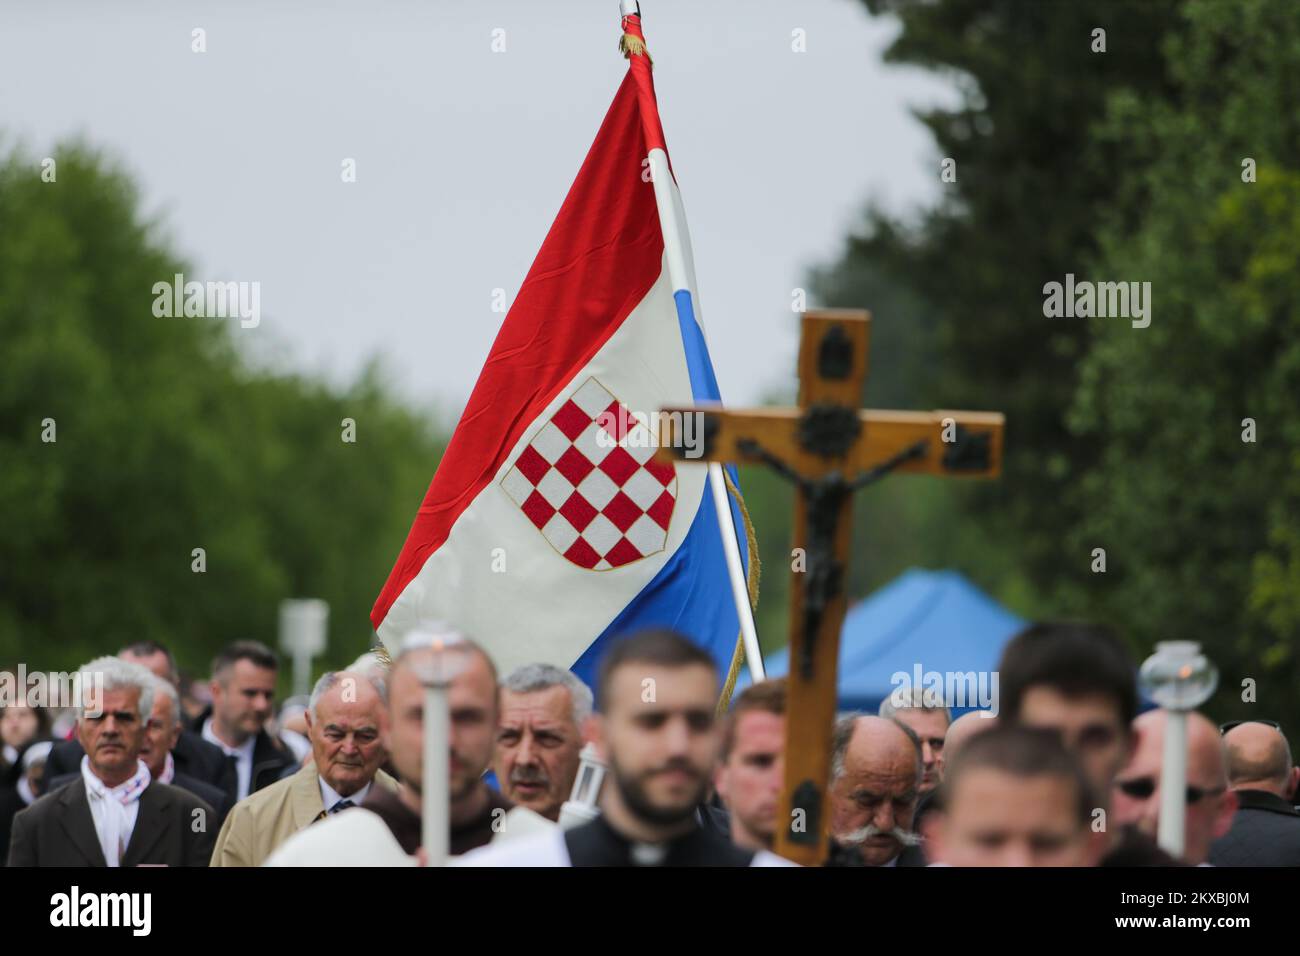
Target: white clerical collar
column 329, row 796
column 243, row 750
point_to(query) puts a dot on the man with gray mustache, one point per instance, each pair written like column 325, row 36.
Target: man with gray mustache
column 876, row 770
column 544, row 711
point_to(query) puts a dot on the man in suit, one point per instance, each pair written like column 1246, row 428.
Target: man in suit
column 243, row 688
column 1266, row 828
column 160, row 735
column 345, row 722
column 193, row 757
column 114, row 813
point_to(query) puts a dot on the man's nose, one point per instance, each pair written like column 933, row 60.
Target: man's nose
column 883, row 818
column 677, row 737
column 1017, row 853
column 927, row 754
column 526, row 754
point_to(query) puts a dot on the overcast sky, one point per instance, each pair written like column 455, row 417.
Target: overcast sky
column 463, row 155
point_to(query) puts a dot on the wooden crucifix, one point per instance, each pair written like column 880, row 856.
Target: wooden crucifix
column 828, row 448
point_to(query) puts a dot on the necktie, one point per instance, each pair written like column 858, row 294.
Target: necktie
column 341, row 805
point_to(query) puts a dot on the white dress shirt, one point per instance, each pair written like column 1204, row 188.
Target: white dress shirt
column 329, row 796
column 243, row 755
column 114, row 809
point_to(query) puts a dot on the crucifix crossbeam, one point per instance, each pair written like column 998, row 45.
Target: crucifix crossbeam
column 828, row 448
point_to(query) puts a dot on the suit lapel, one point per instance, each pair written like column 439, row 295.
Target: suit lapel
column 79, row 824
column 305, row 800
column 151, row 824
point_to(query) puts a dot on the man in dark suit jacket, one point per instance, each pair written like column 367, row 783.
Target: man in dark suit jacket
column 113, row 813
column 243, row 690
column 58, row 830
column 1266, row 828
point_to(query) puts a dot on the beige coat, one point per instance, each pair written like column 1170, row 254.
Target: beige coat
column 261, row 822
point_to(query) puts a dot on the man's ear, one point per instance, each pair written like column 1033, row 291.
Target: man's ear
column 598, row 734
column 1292, row 780
column 1228, row 803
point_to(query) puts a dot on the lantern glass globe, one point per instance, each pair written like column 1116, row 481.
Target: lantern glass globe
column 1178, row 676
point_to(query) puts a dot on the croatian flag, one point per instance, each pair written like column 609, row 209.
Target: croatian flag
column 549, row 530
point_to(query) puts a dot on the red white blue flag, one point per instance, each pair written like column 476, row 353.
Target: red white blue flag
column 549, row 529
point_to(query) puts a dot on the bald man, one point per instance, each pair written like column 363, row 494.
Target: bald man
column 1210, row 804
column 876, row 771
column 1266, row 828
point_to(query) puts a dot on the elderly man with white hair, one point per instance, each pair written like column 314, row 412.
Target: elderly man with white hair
column 346, row 718
column 544, row 710
column 114, row 813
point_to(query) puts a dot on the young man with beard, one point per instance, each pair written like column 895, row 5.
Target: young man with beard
column 658, row 732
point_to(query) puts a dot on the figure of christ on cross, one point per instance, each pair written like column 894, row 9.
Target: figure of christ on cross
column 828, row 448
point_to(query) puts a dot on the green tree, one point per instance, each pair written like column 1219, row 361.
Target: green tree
column 166, row 440
column 1201, row 527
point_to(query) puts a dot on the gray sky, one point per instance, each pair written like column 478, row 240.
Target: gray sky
column 463, row 156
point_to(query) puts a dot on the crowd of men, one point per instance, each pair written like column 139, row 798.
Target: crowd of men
column 1068, row 772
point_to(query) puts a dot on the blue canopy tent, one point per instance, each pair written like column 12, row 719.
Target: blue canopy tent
column 921, row 621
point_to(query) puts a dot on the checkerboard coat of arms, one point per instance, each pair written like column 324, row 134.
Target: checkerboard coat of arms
column 589, row 484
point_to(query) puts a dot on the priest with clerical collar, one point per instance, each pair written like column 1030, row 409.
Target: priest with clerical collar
column 658, row 732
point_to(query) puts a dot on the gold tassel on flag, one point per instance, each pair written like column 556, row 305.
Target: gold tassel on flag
column 631, row 46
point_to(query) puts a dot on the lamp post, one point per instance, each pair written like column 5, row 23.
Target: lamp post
column 1179, row 678
column 303, row 627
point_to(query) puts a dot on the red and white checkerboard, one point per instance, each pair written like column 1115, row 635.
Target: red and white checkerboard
column 588, row 482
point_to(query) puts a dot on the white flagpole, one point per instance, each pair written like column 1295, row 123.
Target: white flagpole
column 678, row 273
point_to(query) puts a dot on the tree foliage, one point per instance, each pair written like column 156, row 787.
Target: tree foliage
column 168, row 439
